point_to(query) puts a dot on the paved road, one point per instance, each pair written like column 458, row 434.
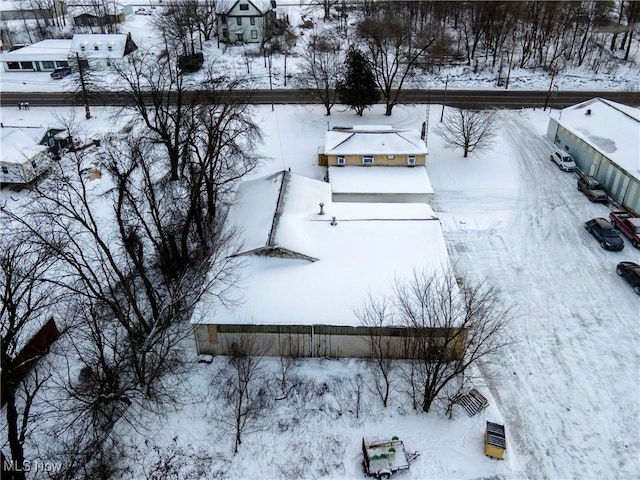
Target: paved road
column 453, row 98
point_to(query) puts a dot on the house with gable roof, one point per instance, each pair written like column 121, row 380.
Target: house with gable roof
column 306, row 263
column 101, row 50
column 244, row 20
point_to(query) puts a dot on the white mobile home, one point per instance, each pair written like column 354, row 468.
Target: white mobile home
column 43, row 56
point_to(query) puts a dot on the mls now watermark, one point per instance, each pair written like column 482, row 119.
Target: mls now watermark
column 34, row 466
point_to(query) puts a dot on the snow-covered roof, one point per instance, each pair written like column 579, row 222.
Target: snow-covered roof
column 370, row 245
column 46, row 50
column 224, row 6
column 374, row 140
column 612, row 128
column 103, row 41
column 18, row 146
column 383, row 180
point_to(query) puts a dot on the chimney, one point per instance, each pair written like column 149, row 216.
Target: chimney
column 321, row 209
column 333, row 221
column 588, row 112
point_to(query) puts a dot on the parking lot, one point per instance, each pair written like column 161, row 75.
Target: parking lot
column 569, row 385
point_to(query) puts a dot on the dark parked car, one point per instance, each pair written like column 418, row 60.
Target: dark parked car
column 604, row 232
column 592, row 189
column 631, row 273
column 61, row 72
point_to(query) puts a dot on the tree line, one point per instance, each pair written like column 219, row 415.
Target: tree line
column 120, row 263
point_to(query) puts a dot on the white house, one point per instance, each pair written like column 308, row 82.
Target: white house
column 101, row 50
column 22, row 159
column 44, row 56
column 244, row 20
column 603, row 137
column 307, row 262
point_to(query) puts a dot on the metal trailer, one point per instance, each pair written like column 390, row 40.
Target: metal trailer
column 384, row 458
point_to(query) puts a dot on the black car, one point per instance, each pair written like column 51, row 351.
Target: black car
column 61, row 72
column 631, row 273
column 593, row 189
column 604, row 232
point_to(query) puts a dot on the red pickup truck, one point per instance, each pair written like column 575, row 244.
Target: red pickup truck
column 627, row 224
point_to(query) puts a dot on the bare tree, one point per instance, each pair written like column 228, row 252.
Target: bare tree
column 245, row 390
column 26, row 300
column 468, row 129
column 395, row 41
column 452, row 327
column 321, row 65
column 376, row 314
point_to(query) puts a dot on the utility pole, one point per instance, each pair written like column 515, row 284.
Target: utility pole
column 513, row 49
column 446, row 82
column 85, row 97
column 271, row 84
column 553, row 75
column 425, row 125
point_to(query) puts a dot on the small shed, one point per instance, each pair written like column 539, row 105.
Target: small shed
column 22, row 160
column 495, row 442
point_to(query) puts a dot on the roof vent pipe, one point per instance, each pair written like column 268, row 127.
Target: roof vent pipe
column 333, row 221
column 321, row 209
column 588, row 112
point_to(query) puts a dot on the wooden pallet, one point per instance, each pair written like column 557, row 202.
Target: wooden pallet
column 473, row 402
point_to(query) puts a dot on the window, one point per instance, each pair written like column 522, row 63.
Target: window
column 225, row 33
column 254, row 34
column 47, row 65
column 5, row 170
column 391, row 157
column 367, row 160
column 239, row 20
column 252, row 20
column 223, row 19
column 411, row 161
column 13, row 65
column 341, row 161
column 26, row 65
column 96, row 47
column 244, row 6
column 61, row 64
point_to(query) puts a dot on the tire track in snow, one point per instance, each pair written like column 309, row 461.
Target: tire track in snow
column 560, row 376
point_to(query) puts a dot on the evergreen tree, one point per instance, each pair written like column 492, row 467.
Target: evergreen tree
column 358, row 88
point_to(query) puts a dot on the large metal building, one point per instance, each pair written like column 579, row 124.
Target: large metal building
column 603, row 137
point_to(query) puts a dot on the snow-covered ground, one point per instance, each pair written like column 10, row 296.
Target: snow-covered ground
column 567, row 388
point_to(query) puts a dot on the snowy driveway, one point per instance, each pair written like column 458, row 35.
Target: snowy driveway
column 569, row 388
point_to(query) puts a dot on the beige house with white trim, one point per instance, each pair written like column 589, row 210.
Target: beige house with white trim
column 372, row 145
